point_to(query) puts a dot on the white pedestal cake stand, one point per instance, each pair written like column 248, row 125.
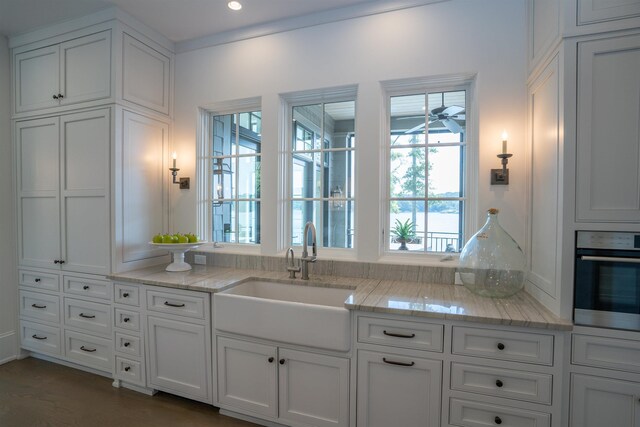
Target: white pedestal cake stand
column 178, row 250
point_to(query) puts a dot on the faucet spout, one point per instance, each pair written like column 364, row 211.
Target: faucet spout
column 306, row 259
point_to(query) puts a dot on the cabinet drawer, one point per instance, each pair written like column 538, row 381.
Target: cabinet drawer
column 44, row 281
column 90, row 316
column 40, row 306
column 87, row 287
column 504, row 345
column 129, row 370
column 399, row 333
column 529, row 386
column 126, row 319
column 126, row 294
column 182, row 305
column 128, row 344
column 466, row 413
column 40, row 338
column 602, row 352
column 88, row 350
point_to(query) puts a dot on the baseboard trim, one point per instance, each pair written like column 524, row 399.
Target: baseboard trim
column 71, row 365
column 249, row 418
column 8, row 347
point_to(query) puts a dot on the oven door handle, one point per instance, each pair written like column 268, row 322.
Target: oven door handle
column 610, row 259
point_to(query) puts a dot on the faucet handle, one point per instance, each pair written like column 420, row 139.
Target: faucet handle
column 291, row 266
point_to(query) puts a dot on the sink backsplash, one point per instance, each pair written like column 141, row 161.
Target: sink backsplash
column 408, row 273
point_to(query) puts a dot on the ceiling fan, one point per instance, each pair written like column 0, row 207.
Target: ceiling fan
column 451, row 117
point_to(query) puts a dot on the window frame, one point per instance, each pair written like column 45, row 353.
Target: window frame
column 288, row 102
column 204, row 178
column 428, row 85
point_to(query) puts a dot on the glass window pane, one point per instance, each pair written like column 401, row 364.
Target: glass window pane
column 408, row 172
column 249, row 222
column 303, row 211
column 308, row 127
column 249, row 177
column 338, row 230
column 223, row 222
column 307, row 175
column 444, row 226
column 338, row 174
column 223, row 173
column 406, row 225
column 408, row 118
column 223, row 135
column 339, row 124
column 447, row 118
column 445, row 170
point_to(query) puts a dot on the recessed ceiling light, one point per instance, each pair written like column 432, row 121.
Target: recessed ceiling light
column 234, row 5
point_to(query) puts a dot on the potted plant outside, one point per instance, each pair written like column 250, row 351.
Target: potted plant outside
column 403, row 233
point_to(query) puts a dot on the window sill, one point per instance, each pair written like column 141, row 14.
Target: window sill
column 431, row 260
column 230, row 248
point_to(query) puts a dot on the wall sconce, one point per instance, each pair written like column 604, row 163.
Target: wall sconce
column 501, row 176
column 220, row 169
column 185, row 183
column 336, row 193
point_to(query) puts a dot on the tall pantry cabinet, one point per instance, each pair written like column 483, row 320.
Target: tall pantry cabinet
column 91, row 114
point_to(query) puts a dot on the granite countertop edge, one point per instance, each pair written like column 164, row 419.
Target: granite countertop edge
column 411, row 299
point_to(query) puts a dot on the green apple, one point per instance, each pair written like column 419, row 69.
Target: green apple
column 182, row 238
column 192, row 238
column 167, row 238
column 157, row 238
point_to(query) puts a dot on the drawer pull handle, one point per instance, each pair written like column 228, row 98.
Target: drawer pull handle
column 88, row 350
column 127, row 344
column 87, row 316
column 497, row 420
column 499, row 383
column 34, row 336
column 391, row 362
column 58, row 261
column 125, row 295
column 391, row 334
column 127, row 368
column 500, row 346
column 173, row 305
column 282, row 361
column 126, row 319
column 271, row 359
column 37, row 280
column 38, row 306
column 85, row 287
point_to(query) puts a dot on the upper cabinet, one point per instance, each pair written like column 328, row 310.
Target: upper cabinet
column 608, row 138
column 146, row 75
column 592, row 11
column 72, row 72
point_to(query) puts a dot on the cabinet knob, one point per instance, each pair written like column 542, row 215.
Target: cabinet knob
column 125, row 295
column 60, row 96
column 271, row 360
column 55, row 96
column 497, row 420
column 126, row 319
column 127, row 344
column 282, row 361
column 127, row 368
column 85, row 287
column 499, row 383
column 37, row 280
column 500, row 346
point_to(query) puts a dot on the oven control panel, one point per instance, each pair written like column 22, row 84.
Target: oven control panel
column 608, row 240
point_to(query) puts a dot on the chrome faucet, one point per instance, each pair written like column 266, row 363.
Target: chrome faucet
column 291, row 264
column 306, row 259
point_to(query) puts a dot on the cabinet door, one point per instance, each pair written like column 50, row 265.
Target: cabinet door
column 37, row 76
column 178, row 359
column 326, row 402
column 37, row 157
column 86, row 68
column 397, row 390
column 85, row 152
column 247, row 376
column 608, row 154
column 597, row 402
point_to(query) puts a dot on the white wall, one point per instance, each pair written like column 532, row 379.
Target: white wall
column 8, row 280
column 458, row 36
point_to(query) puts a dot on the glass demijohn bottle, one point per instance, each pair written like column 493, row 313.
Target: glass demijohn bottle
column 491, row 263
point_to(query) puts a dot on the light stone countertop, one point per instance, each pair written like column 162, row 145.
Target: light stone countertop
column 452, row 302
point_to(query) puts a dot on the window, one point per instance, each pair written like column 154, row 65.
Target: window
column 426, row 169
column 234, row 173
column 321, row 172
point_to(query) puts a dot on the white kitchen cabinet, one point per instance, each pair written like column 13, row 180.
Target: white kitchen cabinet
column 397, row 390
column 72, row 72
column 608, row 147
column 63, row 192
column 598, row 401
column 291, row 386
column 591, row 11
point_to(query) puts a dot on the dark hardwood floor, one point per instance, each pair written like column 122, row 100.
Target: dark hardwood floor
column 38, row 393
